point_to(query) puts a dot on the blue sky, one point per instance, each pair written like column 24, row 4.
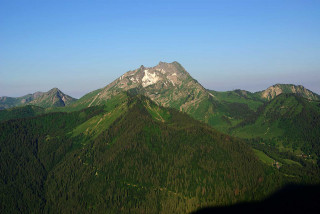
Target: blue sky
column 79, row 46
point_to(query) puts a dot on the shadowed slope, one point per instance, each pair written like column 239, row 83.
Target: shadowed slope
column 290, row 199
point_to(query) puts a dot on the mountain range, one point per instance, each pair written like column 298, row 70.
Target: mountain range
column 239, row 113
column 155, row 141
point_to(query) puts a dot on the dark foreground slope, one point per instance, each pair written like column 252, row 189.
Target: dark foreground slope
column 290, row 199
column 29, row 149
column 147, row 159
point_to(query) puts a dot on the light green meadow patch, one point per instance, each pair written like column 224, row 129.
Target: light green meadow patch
column 263, row 157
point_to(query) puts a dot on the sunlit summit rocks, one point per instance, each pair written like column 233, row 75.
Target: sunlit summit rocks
column 168, row 84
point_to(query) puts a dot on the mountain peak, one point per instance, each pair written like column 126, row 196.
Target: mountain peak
column 163, row 75
column 168, row 84
column 52, row 98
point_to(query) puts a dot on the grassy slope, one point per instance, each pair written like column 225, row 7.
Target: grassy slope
column 263, row 157
column 96, row 125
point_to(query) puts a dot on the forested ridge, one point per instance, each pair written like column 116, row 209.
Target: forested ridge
column 149, row 159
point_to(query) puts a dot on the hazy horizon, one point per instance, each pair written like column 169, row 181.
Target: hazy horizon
column 80, row 46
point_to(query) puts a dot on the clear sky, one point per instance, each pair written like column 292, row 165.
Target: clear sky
column 79, row 46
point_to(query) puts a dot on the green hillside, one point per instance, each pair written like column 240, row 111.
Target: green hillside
column 131, row 157
column 289, row 120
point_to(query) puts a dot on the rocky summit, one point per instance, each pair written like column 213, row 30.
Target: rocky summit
column 168, row 84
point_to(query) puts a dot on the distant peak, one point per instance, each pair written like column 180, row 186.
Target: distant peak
column 278, row 89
